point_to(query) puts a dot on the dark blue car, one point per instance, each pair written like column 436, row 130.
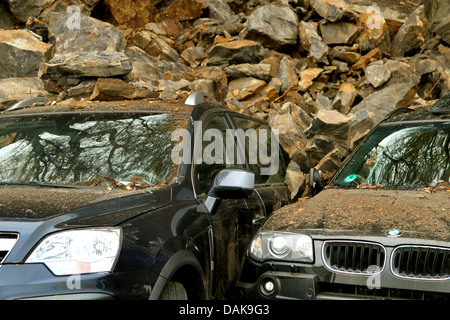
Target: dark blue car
column 134, row 200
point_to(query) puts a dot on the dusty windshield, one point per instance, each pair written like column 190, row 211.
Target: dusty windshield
column 401, row 156
column 89, row 150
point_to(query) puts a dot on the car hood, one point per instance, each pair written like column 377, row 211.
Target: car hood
column 80, row 206
column 419, row 214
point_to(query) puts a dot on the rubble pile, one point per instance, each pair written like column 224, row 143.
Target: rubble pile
column 322, row 72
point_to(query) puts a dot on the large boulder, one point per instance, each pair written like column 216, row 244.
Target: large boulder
column 95, row 50
column 391, row 97
column 274, row 26
column 235, row 52
column 312, row 42
column 41, row 9
column 92, row 36
column 21, row 53
column 410, row 37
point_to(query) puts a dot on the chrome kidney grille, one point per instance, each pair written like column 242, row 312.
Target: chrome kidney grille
column 7, row 242
column 421, row 262
column 354, row 257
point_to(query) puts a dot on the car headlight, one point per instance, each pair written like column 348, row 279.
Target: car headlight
column 78, row 251
column 272, row 245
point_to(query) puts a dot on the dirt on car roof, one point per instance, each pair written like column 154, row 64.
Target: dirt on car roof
column 113, row 106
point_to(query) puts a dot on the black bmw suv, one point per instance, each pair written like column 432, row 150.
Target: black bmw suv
column 132, row 200
column 379, row 230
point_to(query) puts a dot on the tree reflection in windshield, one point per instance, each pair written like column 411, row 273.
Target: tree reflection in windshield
column 75, row 151
column 408, row 158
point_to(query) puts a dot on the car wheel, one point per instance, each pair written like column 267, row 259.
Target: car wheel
column 174, row 291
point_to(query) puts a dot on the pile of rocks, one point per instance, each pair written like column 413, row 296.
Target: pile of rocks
column 322, row 72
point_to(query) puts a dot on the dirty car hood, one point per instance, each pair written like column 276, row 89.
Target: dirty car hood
column 421, row 214
column 46, row 203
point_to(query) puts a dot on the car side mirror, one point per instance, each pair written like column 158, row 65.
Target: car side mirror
column 315, row 180
column 230, row 184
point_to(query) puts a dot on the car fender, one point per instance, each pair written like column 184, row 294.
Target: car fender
column 178, row 260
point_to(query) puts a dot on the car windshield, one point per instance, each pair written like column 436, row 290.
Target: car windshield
column 401, row 156
column 119, row 150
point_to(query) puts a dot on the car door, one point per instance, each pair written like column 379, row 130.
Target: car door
column 267, row 160
column 232, row 221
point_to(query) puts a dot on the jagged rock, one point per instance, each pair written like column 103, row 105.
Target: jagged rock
column 205, row 85
column 331, row 10
column 260, row 71
column 105, row 64
column 169, row 28
column 295, row 180
column 83, row 89
column 21, row 53
column 409, row 38
column 290, row 135
column 147, row 68
column 306, row 78
column 323, row 102
column 377, row 73
column 13, row 90
column 93, row 35
column 345, row 53
column 116, row 89
column 318, row 147
column 330, row 121
column 23, row 10
column 339, row 32
column 311, row 41
column 330, row 162
column 245, row 88
column 194, row 56
column 361, row 123
column 75, row 68
column 381, row 102
column 181, row 10
column 235, row 52
column 345, row 98
column 219, row 10
column 302, row 159
column 153, row 44
column 375, row 33
column 438, row 16
column 132, row 13
column 371, row 56
column 215, row 74
column 287, row 74
column 274, row 26
column 232, row 26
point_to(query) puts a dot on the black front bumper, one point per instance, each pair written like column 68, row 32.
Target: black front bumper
column 35, row 281
column 306, row 286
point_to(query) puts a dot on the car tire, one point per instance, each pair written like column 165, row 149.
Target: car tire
column 174, row 291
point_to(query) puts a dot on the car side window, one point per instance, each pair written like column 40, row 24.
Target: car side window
column 262, row 150
column 213, row 156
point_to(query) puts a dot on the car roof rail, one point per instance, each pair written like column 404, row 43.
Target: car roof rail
column 25, row 103
column 196, row 98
